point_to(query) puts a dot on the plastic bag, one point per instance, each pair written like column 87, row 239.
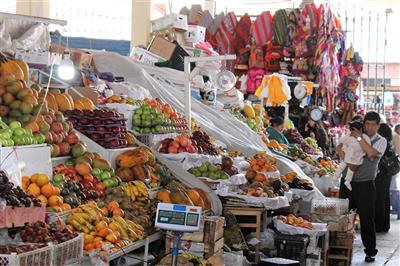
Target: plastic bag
column 130, row 89
column 5, row 39
column 266, row 239
column 36, row 38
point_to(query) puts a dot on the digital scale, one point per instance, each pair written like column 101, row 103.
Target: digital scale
column 178, row 219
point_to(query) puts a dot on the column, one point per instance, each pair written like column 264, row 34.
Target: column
column 37, row 8
column 141, row 27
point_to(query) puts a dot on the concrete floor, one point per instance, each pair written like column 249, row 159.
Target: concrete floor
column 388, row 245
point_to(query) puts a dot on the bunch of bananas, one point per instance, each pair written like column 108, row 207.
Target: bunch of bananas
column 84, row 217
column 128, row 230
column 137, row 191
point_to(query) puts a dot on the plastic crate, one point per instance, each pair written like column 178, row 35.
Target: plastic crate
column 292, row 247
column 152, row 140
column 144, row 56
column 330, row 206
column 68, row 252
column 42, row 257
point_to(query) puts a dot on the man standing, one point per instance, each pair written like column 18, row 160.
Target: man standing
column 362, row 195
column 396, row 139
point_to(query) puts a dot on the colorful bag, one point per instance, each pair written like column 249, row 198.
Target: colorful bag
column 225, row 37
column 280, row 27
column 261, row 30
column 254, row 79
column 242, row 32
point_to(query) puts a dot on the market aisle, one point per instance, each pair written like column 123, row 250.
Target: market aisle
column 388, row 245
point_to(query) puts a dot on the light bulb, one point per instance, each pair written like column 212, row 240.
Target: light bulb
column 66, row 69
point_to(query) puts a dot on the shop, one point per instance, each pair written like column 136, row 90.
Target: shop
column 213, row 144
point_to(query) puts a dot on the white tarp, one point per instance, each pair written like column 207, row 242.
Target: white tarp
column 167, row 84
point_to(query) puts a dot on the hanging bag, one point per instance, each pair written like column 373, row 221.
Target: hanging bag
column 261, row 30
column 280, row 27
column 390, row 161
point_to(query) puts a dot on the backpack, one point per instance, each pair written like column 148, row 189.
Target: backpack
column 390, row 161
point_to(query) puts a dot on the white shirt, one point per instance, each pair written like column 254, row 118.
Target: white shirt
column 380, row 145
column 354, row 154
column 396, row 142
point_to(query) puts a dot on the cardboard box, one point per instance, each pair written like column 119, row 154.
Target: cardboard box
column 200, row 249
column 171, row 35
column 86, row 92
column 144, row 56
column 176, row 21
column 195, row 34
column 162, row 47
column 216, row 260
column 81, row 58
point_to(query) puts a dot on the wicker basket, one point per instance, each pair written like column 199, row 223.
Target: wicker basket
column 42, row 256
column 68, row 252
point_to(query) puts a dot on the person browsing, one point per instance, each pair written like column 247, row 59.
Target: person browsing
column 276, row 129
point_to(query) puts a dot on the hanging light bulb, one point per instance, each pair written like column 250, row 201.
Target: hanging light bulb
column 66, row 70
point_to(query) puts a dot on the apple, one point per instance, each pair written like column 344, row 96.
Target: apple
column 54, row 150
column 65, row 148
column 95, row 136
column 57, row 127
column 72, row 138
column 101, row 129
column 115, row 130
column 114, row 143
column 172, row 149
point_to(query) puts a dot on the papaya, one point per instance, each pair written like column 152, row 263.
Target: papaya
column 205, row 197
column 180, row 197
column 163, row 196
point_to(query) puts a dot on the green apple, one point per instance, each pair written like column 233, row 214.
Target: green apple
column 19, row 131
column 15, row 124
column 105, row 175
column 97, row 172
column 58, row 178
column 40, row 138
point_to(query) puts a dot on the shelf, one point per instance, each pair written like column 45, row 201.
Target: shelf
column 135, row 245
column 338, row 257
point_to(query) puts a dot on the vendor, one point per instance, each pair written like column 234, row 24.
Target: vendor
column 315, row 130
column 276, row 129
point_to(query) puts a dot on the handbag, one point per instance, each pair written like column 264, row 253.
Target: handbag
column 390, row 162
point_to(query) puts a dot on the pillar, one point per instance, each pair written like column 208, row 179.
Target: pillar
column 141, row 26
column 37, row 8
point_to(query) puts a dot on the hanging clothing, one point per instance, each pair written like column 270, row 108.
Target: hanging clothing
column 276, row 135
column 275, row 89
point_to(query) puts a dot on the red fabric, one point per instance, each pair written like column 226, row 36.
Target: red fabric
column 262, row 28
column 242, row 32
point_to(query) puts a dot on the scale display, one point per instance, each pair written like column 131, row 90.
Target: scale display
column 178, row 217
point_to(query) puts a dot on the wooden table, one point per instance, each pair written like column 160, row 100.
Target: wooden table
column 256, row 212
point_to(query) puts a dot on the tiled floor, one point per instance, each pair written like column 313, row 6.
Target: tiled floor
column 388, row 245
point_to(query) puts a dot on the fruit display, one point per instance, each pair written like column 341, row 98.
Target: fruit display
column 328, row 164
column 138, row 164
column 16, row 135
column 263, row 164
column 295, row 137
column 103, row 230
column 294, row 181
column 313, row 143
column 40, row 187
column 271, row 189
column 199, row 142
column 20, row 248
column 15, row 196
column 106, row 127
column 121, row 99
column 155, row 116
column 275, row 145
column 40, row 232
column 175, row 192
column 250, row 122
column 295, row 221
column 209, row 170
column 15, row 68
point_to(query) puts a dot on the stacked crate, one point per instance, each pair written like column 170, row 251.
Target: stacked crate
column 207, row 243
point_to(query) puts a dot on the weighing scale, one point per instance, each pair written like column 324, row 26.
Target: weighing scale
column 178, row 219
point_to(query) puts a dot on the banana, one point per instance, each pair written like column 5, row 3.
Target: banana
column 132, row 235
column 121, row 229
column 122, row 224
column 134, row 225
column 91, row 212
column 78, row 226
column 128, row 190
column 135, row 190
column 141, row 187
column 80, row 220
column 99, row 211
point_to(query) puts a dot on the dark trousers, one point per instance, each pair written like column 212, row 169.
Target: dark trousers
column 382, row 202
column 362, row 198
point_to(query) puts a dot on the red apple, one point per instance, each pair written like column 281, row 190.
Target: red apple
column 175, row 143
column 65, row 148
column 72, row 138
column 181, row 149
column 49, row 138
column 55, row 150
column 57, row 127
column 172, row 149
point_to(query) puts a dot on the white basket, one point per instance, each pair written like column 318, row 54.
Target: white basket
column 68, row 252
column 330, row 206
column 42, row 257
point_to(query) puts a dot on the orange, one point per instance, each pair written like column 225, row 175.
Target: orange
column 34, row 190
column 87, row 238
column 112, row 205
column 55, row 201
column 66, row 207
column 25, row 182
column 100, row 225
column 118, row 212
column 89, row 247
column 47, row 190
column 34, row 178
column 98, row 244
column 97, row 238
column 57, row 208
column 42, row 199
column 56, row 191
column 42, row 180
column 104, row 232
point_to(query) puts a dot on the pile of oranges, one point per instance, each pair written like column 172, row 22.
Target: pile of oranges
column 261, row 164
column 39, row 186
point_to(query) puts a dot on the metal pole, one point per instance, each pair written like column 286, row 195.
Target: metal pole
column 368, row 58
column 384, row 65
column 188, row 97
column 376, row 57
column 361, row 46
